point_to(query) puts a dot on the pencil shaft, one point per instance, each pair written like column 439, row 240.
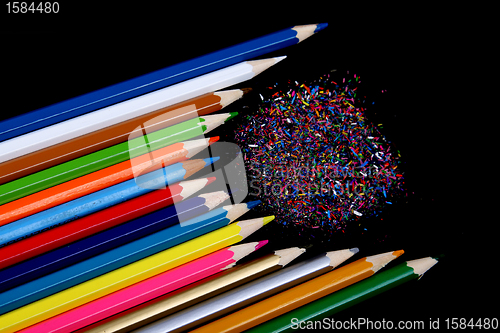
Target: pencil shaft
column 97, row 222
column 113, row 114
column 100, row 179
column 141, row 292
column 147, row 83
column 112, row 259
column 101, row 242
column 298, row 296
column 99, row 160
column 119, row 278
column 340, row 300
column 243, row 295
column 96, row 201
column 109, row 136
column 189, row 295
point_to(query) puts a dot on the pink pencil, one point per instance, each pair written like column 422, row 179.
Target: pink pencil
column 146, row 290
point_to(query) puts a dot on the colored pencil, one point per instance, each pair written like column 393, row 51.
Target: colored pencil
column 112, row 135
column 103, row 158
column 95, row 244
column 102, row 220
column 156, row 80
column 124, row 255
column 347, row 297
column 100, row 200
column 114, row 114
column 101, row 179
column 247, row 294
column 298, row 296
column 137, row 271
column 197, row 292
column 146, row 290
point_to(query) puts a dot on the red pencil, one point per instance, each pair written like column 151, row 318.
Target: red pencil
column 146, row 290
column 99, row 221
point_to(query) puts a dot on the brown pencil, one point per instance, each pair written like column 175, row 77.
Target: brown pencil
column 106, row 137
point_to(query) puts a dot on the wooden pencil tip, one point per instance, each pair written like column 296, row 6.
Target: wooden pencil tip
column 229, row 96
column 305, row 31
column 246, row 90
column 420, row 266
column 380, row 260
column 261, row 65
column 214, row 199
column 248, row 227
column 190, row 187
column 339, row 256
column 242, row 250
column 288, row 255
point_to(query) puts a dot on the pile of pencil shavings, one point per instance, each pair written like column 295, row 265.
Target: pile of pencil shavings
column 315, row 160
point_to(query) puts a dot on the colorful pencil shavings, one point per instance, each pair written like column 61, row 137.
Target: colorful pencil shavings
column 314, row 159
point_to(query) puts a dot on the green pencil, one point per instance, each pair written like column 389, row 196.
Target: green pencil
column 109, row 156
column 347, row 297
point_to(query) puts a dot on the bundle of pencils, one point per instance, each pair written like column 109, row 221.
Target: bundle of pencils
column 97, row 209
column 324, row 293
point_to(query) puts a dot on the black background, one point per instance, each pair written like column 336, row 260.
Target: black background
column 413, row 53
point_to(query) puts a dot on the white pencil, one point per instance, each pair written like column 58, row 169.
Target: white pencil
column 129, row 109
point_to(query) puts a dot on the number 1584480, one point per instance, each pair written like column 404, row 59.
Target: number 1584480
column 32, row 7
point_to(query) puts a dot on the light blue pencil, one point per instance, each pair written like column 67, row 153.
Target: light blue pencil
column 99, row 200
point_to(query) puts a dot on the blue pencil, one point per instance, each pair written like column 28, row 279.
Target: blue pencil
column 96, row 201
column 101, row 242
column 98, row 99
column 121, row 256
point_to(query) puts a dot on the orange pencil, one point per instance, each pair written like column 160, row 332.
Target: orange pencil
column 100, row 179
column 296, row 297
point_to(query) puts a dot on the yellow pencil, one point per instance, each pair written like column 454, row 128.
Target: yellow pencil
column 127, row 275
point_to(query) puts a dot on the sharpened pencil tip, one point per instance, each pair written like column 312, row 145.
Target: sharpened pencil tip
column 354, row 250
column 252, row 204
column 420, row 266
column 232, row 190
column 210, row 180
column 211, row 160
column 231, row 116
column 213, row 139
column 278, row 59
column 246, row 90
column 262, row 64
column 320, row 27
column 268, row 219
column 398, row 253
column 261, row 244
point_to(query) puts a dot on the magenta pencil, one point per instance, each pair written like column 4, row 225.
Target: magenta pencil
column 146, row 290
